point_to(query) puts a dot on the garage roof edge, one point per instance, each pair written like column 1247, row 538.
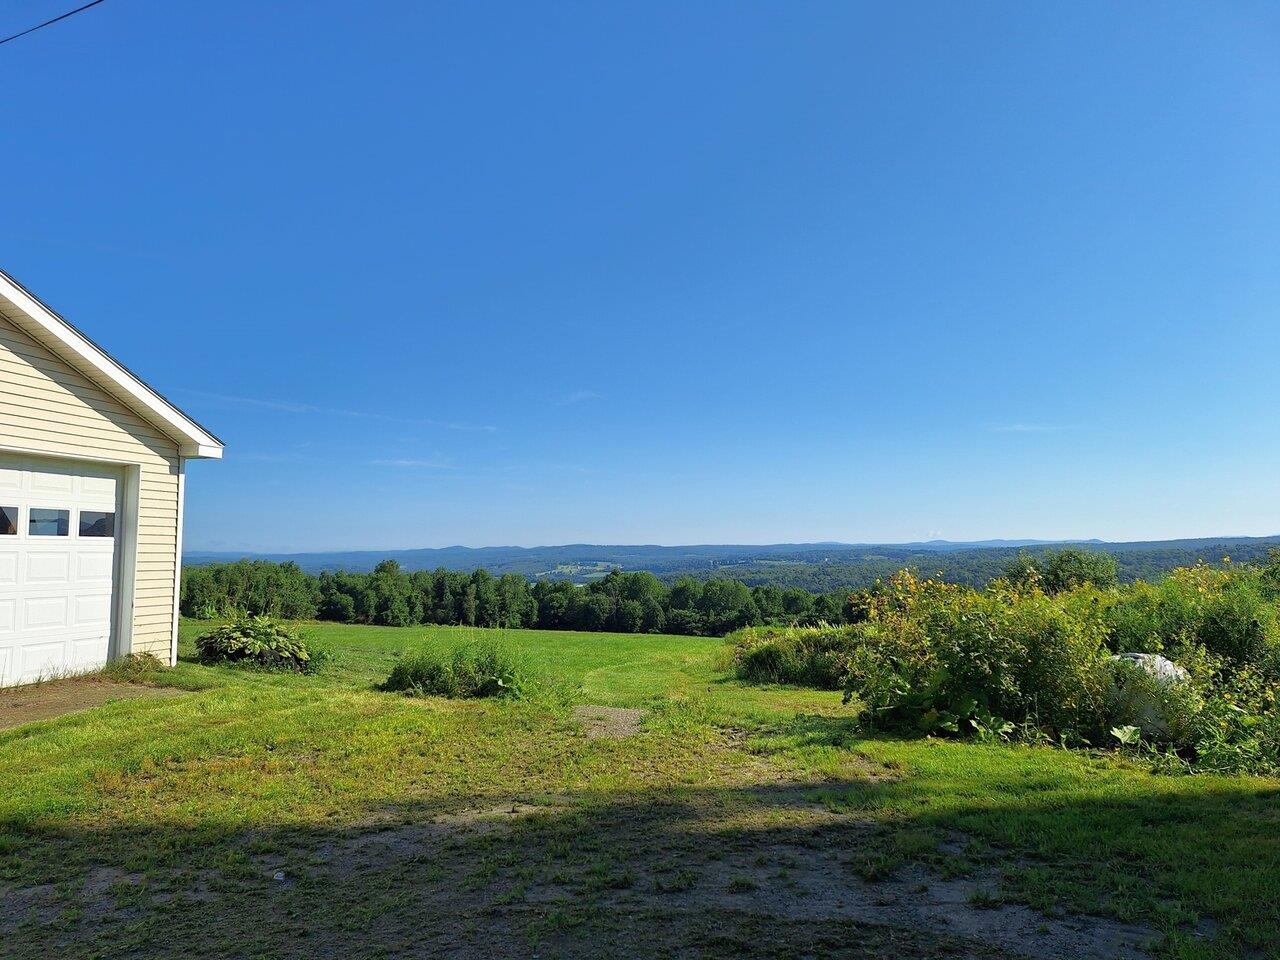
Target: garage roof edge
column 194, row 440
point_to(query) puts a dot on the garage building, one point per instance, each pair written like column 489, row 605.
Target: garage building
column 91, row 489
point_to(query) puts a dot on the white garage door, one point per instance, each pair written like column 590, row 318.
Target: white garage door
column 57, row 567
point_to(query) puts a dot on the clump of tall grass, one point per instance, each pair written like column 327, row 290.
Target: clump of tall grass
column 802, row 656
column 471, row 671
column 134, row 668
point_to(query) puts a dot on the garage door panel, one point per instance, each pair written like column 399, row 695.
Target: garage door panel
column 91, row 611
column 8, row 616
column 48, row 567
column 40, row 482
column 37, row 660
column 98, row 488
column 8, row 567
column 94, row 567
column 88, row 654
column 10, row 479
column 42, row 613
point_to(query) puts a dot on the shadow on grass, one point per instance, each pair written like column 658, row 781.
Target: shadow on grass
column 757, row 871
column 776, row 735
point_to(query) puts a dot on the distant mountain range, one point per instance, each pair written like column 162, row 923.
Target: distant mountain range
column 814, row 566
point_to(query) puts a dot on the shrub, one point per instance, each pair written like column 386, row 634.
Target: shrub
column 948, row 658
column 340, row 607
column 1238, row 622
column 471, row 671
column 1228, row 612
column 944, row 658
column 1059, row 666
column 1225, row 720
column 1155, row 618
column 257, row 641
column 806, row 656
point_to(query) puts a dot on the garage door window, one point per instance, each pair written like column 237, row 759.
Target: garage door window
column 49, row 523
column 96, row 523
column 8, row 521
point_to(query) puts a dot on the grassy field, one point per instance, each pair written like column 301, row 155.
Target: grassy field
column 312, row 816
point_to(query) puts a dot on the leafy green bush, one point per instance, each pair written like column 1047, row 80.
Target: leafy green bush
column 1238, row 729
column 1155, row 618
column 1060, row 665
column 937, row 657
column 257, row 641
column 470, row 671
column 1228, row 612
column 953, row 656
column 1239, row 623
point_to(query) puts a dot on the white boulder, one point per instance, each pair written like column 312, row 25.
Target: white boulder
column 1154, row 665
column 1148, row 692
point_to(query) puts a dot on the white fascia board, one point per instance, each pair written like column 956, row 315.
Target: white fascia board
column 208, row 451
column 195, row 441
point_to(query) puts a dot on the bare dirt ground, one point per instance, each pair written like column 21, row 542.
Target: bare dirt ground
column 611, row 722
column 53, row 698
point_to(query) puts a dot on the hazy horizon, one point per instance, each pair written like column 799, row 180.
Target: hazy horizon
column 994, row 541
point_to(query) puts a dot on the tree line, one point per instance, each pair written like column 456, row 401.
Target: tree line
column 618, row 602
column 391, row 596
column 975, row 567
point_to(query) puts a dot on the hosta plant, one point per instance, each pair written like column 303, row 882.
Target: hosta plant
column 258, row 641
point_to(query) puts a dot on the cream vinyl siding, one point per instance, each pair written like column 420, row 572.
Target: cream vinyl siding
column 48, row 407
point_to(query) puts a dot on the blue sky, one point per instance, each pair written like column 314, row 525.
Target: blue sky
column 712, row 272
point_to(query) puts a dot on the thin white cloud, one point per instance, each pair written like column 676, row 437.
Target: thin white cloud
column 438, row 463
column 265, row 457
column 1029, row 428
column 289, row 406
column 579, row 396
column 528, row 468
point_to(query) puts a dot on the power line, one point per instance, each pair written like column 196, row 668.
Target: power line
column 47, row 23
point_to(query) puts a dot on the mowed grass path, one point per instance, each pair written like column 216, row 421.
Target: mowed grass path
column 158, row 827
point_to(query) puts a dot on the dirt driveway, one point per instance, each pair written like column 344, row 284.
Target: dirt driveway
column 43, row 701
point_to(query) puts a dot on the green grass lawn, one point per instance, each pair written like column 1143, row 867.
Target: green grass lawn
column 740, row 821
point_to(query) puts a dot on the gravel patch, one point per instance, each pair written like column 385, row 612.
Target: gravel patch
column 613, row 723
